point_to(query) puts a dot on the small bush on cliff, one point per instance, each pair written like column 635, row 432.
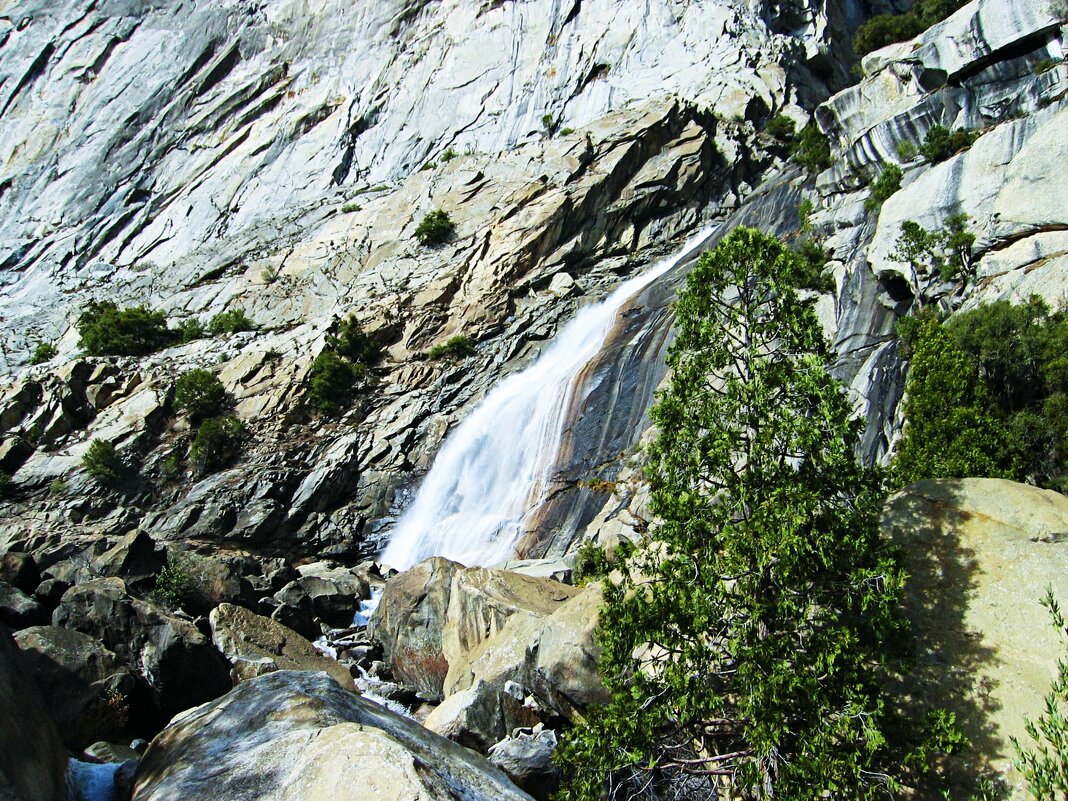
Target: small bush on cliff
column 217, row 444
column 782, row 128
column 888, row 182
column 107, row 330
column 230, row 322
column 457, row 347
column 436, row 227
column 43, row 352
column 175, row 583
column 200, row 394
column 331, row 382
column 940, row 143
column 102, row 463
column 812, row 149
column 354, row 344
column 887, row 29
column 947, row 251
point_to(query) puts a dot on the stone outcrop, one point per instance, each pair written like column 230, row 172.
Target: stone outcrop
column 32, row 759
column 171, row 656
column 296, row 735
column 255, row 645
column 87, row 690
column 979, row 555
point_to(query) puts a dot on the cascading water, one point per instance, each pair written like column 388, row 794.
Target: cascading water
column 490, row 473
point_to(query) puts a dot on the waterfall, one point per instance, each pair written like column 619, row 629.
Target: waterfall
column 491, row 471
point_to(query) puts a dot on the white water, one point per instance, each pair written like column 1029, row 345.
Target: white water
column 492, row 469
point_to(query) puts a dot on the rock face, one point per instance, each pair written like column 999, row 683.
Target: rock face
column 85, row 686
column 296, row 735
column 255, row 645
column 32, row 759
column 980, row 553
column 180, row 665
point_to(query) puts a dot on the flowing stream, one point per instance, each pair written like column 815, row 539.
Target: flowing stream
column 490, row 473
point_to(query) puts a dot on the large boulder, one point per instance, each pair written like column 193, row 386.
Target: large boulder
column 255, row 645
column 19, row 610
column 179, row 663
column 980, row 554
column 85, row 685
column 409, row 623
column 526, row 756
column 32, row 759
column 298, row 736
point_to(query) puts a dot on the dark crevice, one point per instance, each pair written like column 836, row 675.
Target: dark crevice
column 574, row 12
column 1018, row 49
column 219, row 72
column 35, row 71
column 341, row 171
column 201, row 61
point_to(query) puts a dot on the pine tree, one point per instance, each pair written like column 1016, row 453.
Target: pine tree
column 744, row 647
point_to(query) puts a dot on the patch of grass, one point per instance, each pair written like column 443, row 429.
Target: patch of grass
column 457, row 347
column 349, row 208
column 44, row 352
column 436, row 227
column 448, row 156
column 566, row 131
column 230, row 322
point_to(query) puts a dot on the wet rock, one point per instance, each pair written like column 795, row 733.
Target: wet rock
column 181, row 666
column 245, row 637
column 86, row 688
column 33, row 761
column 295, row 735
column 526, row 756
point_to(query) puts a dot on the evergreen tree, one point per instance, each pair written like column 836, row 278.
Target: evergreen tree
column 744, row 648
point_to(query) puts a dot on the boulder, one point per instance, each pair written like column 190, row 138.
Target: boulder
column 245, row 637
column 181, row 666
column 134, row 557
column 526, row 756
column 475, row 717
column 85, row 685
column 293, row 735
column 20, row 571
column 332, row 593
column 980, row 554
column 18, row 610
column 410, row 621
column 33, row 761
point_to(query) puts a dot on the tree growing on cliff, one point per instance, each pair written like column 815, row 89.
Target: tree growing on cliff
column 744, row 648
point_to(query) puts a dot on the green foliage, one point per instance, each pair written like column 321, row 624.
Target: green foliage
column 591, row 563
column 887, row 29
column 102, row 463
column 200, row 394
column 436, row 227
column 782, row 128
column 812, row 150
column 1044, row 65
column 940, row 143
column 548, row 121
column 107, row 330
column 230, row 322
column 888, row 182
column 907, row 150
column 950, row 431
column 332, row 381
column 1045, row 769
column 813, row 274
column 457, row 347
column 190, row 330
column 175, row 583
column 744, row 649
column 804, row 215
column 349, row 208
column 448, row 156
column 566, row 131
column 353, row 343
column 217, row 444
column 947, row 252
column 57, row 486
column 44, row 352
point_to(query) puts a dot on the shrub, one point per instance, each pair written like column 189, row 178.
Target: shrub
column 812, row 149
column 566, row 131
column 57, row 486
column 190, row 330
column 230, row 322
column 43, row 353
column 782, row 128
column 907, row 150
column 107, row 330
column 949, row 251
column 437, row 227
column 331, row 382
column 887, row 29
column 200, row 394
column 353, row 343
column 888, row 182
column 939, row 143
column 175, row 583
column 217, row 443
column 813, row 264
column 591, row 562
column 448, row 156
column 804, row 215
column 349, row 208
column 548, row 121
column 456, row 347
column 102, row 462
